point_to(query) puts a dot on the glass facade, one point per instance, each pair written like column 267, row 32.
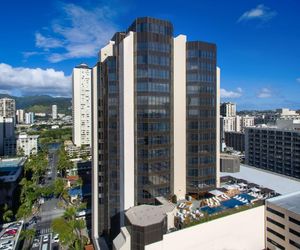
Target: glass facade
column 153, row 84
column 201, row 116
column 153, row 116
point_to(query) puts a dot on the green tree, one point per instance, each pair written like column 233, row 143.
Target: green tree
column 59, row 185
column 69, row 229
column 7, row 214
column 28, row 234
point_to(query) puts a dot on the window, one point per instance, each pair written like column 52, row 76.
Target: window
column 275, row 212
column 294, row 232
column 275, row 244
column 275, row 222
column 295, row 244
column 294, row 221
column 276, row 233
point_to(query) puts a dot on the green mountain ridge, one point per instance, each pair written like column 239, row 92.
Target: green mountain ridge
column 42, row 103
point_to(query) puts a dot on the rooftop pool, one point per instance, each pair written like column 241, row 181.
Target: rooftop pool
column 231, row 203
column 11, row 164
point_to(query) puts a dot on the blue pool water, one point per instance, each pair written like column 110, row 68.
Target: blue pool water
column 226, row 204
column 212, row 210
column 247, row 196
column 231, row 203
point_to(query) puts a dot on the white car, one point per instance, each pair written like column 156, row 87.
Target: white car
column 7, row 244
column 36, row 242
column 55, row 238
column 46, row 238
column 6, row 236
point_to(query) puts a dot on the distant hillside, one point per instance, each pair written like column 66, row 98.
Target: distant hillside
column 42, row 103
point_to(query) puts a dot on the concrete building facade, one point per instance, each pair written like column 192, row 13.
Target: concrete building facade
column 29, row 118
column 81, row 105
column 54, row 112
column 20, row 116
column 228, row 109
column 8, row 108
column 282, row 220
column 274, row 149
column 27, row 144
column 155, row 125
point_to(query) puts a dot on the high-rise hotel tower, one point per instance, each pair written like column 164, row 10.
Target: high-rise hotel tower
column 154, row 120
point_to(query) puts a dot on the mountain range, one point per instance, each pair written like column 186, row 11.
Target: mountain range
column 42, row 103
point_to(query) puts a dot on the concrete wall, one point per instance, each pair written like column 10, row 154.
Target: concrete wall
column 241, row 231
column 179, row 117
column 126, row 109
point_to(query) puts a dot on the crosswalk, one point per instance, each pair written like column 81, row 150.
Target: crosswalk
column 45, row 231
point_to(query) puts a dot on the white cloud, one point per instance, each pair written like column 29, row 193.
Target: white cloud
column 34, row 81
column 298, row 79
column 231, row 94
column 261, row 12
column 79, row 34
column 47, row 42
column 264, row 93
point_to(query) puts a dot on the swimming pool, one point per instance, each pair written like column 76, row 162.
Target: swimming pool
column 231, row 203
column 246, row 196
column 212, row 210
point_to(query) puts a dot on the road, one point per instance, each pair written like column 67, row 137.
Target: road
column 49, row 209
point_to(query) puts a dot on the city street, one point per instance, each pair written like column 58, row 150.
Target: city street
column 49, row 209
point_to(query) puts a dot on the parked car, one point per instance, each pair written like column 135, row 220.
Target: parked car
column 11, row 231
column 6, row 236
column 46, row 238
column 36, row 242
column 7, row 243
column 55, row 238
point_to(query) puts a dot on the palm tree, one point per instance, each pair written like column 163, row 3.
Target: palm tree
column 7, row 214
column 69, row 229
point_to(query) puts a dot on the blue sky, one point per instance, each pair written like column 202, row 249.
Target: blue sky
column 258, row 43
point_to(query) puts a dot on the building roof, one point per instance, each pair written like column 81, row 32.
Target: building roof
column 290, row 202
column 145, row 215
column 279, row 183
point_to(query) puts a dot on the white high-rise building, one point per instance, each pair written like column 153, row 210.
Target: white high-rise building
column 29, row 118
column 7, row 107
column 82, row 117
column 20, row 115
column 54, row 112
column 28, row 144
column 228, row 109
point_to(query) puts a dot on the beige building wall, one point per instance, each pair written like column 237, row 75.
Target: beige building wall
column 218, row 127
column 126, row 122
column 281, row 226
column 240, row 231
column 179, row 117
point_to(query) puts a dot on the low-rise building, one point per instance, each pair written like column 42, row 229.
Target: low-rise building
column 235, row 140
column 27, row 144
column 229, row 163
column 274, row 148
column 10, row 175
column 282, row 219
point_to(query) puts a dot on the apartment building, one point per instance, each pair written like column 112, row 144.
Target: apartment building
column 27, row 144
column 228, row 109
column 274, row 148
column 155, row 100
column 8, row 108
column 54, row 112
column 20, row 116
column 81, row 107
